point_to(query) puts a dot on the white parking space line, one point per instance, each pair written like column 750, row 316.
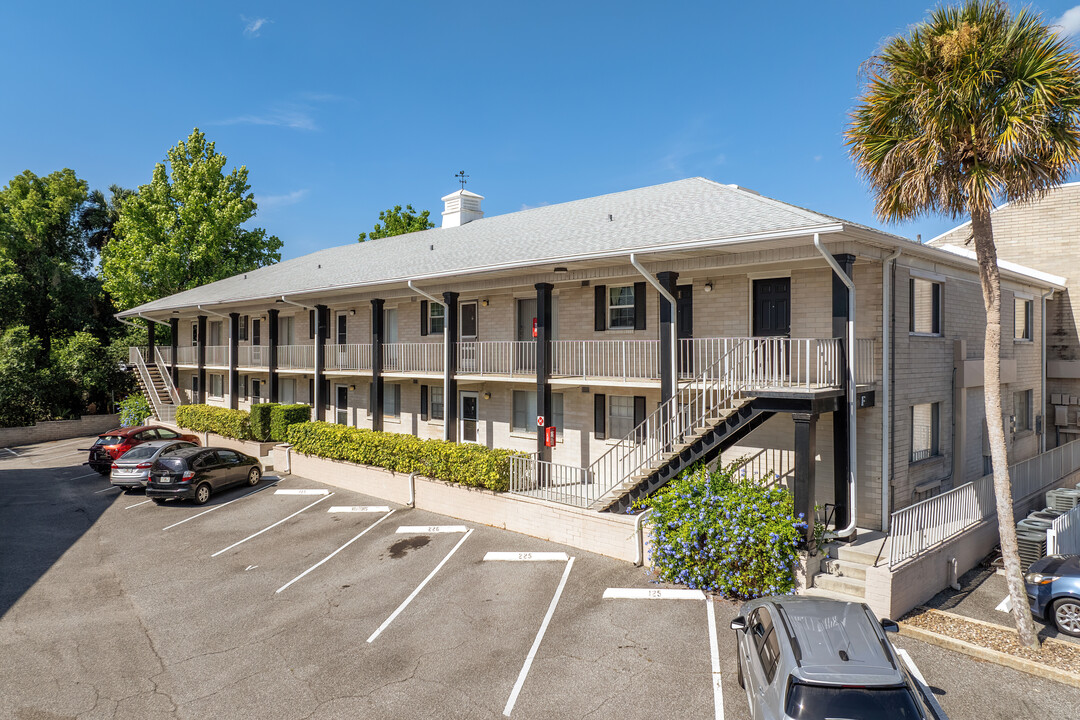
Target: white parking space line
column 359, row 509
column 12, row 452
column 526, row 556
column 653, row 594
column 111, row 487
column 405, row 604
column 362, row 533
column 83, row 477
column 430, row 529
column 924, row 688
column 302, row 491
column 271, row 527
column 714, row 651
column 911, row 664
column 536, row 643
column 138, row 504
column 222, row 505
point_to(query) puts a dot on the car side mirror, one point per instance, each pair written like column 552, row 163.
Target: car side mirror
column 890, row 626
column 738, row 623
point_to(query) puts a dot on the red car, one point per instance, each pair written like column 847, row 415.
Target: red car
column 113, row 444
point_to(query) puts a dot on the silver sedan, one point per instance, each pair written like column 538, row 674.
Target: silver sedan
column 132, row 469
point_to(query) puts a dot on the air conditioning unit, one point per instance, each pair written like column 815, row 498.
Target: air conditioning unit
column 1032, row 545
column 1062, row 499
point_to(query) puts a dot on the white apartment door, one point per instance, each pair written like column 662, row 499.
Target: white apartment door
column 342, row 405
column 287, row 391
column 285, row 331
column 469, row 416
column 390, row 338
column 467, row 335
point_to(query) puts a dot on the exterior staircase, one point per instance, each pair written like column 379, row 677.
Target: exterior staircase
column 843, row 566
column 156, row 385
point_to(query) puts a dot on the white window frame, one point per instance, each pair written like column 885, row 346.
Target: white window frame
column 1027, row 307
column 391, row 400
column 613, row 421
column 936, row 286
column 432, row 318
column 219, row 380
column 432, row 404
column 557, row 412
column 612, row 291
column 1023, row 422
column 933, row 448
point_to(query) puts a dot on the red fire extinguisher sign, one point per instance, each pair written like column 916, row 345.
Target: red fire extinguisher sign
column 534, row 327
column 549, row 436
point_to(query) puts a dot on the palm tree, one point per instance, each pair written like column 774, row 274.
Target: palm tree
column 975, row 105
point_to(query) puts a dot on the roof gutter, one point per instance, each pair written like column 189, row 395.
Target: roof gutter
column 886, row 380
column 200, row 308
column 447, row 349
column 850, row 394
column 1042, row 388
column 159, row 322
column 299, row 305
column 672, row 325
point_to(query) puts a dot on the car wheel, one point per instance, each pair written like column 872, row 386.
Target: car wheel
column 1067, row 616
column 738, row 672
column 253, row 476
column 202, row 494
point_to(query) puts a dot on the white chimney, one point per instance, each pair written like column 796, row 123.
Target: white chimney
column 461, row 207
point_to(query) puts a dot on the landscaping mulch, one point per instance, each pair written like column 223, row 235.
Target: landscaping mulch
column 1054, row 653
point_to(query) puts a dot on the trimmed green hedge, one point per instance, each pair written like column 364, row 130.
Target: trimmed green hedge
column 207, row 418
column 282, row 416
column 260, row 420
column 465, row 464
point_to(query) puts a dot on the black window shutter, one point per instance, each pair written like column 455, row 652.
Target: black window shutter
column 326, row 393
column 639, row 414
column 600, row 416
column 936, row 323
column 601, row 307
column 311, row 392
column 423, row 318
column 639, row 306
column 243, row 327
column 423, row 402
column 911, row 305
column 311, row 324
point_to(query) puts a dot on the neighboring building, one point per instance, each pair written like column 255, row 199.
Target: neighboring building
column 492, row 330
column 1042, row 234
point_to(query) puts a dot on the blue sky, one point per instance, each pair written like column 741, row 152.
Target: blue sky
column 342, row 110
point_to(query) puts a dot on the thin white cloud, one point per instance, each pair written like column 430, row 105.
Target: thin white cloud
column 252, row 26
column 269, row 202
column 294, row 118
column 1069, row 22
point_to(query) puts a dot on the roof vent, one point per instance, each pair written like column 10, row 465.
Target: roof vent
column 744, row 189
column 461, row 207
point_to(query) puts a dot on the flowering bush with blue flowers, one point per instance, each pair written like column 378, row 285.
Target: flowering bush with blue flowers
column 736, row 538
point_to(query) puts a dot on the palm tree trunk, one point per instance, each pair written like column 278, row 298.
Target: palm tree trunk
column 983, row 234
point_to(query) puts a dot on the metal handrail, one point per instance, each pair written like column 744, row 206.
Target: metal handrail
column 135, row 355
column 166, row 375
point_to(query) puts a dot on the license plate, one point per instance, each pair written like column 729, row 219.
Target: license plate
column 164, row 481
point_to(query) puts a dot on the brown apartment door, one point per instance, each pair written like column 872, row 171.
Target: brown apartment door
column 772, row 307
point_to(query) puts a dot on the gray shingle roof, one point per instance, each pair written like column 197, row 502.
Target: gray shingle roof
column 643, row 219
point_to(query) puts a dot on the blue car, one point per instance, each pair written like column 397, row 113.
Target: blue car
column 1053, row 589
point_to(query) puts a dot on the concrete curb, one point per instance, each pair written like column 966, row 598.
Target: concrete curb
column 980, row 653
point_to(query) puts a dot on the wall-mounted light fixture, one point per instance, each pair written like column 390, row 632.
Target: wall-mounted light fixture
column 352, row 387
column 487, row 396
column 708, row 287
column 561, row 269
column 352, row 311
column 484, row 302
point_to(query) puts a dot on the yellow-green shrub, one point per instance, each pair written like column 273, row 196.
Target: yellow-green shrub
column 207, row 418
column 282, row 416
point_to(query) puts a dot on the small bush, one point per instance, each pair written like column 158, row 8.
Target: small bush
column 736, row 538
column 282, row 416
column 134, row 409
column 465, row 464
column 260, row 420
column 207, row 418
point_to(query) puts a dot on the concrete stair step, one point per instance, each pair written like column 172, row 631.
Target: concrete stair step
column 846, row 586
column 843, row 568
column 866, row 550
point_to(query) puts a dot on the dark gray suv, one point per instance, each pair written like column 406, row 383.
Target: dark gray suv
column 807, row 657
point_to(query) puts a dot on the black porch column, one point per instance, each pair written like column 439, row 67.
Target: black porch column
column 378, row 333
column 234, row 372
column 840, row 417
column 202, row 360
column 667, row 317
column 543, row 368
column 174, row 328
column 271, row 362
column 150, row 337
column 805, row 451
column 322, row 329
column 450, row 398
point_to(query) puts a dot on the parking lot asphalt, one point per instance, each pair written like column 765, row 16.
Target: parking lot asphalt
column 295, row 599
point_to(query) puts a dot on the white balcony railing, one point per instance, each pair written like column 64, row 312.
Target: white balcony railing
column 348, row 358
column 164, row 354
column 187, row 355
column 217, row 355
column 296, row 357
column 496, row 357
column 609, row 359
column 253, row 356
column 865, row 362
column 413, row 357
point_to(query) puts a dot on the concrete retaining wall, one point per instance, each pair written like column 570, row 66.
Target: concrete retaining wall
column 57, row 430
column 602, row 533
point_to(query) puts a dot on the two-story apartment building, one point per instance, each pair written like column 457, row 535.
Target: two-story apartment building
column 650, row 328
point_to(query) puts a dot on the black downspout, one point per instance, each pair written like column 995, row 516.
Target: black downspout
column 450, row 398
column 234, row 371
column 321, row 327
column 840, row 417
column 174, row 328
column 543, row 368
column 202, row 359
column 805, row 451
column 667, row 316
column 378, row 333
column 272, row 339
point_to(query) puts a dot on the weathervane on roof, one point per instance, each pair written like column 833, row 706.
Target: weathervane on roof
column 461, row 178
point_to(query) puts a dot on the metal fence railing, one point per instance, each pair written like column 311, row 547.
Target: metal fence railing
column 1063, row 538
column 567, row 484
column 253, row 356
column 296, row 357
column 348, row 358
column 496, row 357
column 413, row 357
column 187, row 355
column 917, row 528
column 217, row 355
column 865, row 362
column 608, row 359
column 164, row 354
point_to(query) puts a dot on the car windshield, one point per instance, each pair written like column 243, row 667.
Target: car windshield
column 109, row 440
column 171, row 464
column 851, row 703
column 140, row 452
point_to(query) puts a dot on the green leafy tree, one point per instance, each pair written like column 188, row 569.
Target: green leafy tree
column 396, row 221
column 44, row 259
column 98, row 216
column 21, row 382
column 184, row 229
column 975, row 105
column 81, row 366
